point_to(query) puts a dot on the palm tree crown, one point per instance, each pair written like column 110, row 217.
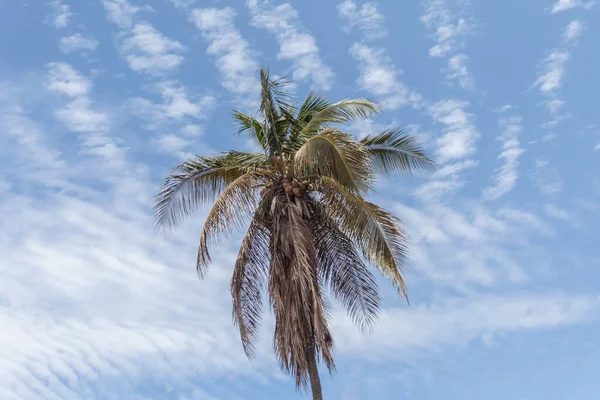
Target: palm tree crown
column 311, row 231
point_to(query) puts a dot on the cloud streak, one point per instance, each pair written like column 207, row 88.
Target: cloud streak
column 296, row 44
column 506, row 176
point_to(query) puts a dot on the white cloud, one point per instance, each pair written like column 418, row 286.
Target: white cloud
column 526, row 219
column 466, row 246
column 76, row 42
column 563, row 5
column 459, row 322
column 573, row 31
column 79, row 115
column 176, row 104
column 239, row 69
column 546, row 178
column 378, row 76
column 449, row 31
column 26, row 144
column 148, row 50
column 460, row 133
column 556, row 212
column 551, row 79
column 65, row 79
column 506, row 176
column 295, row 43
column 457, row 70
column 61, row 13
column 367, row 18
column 448, row 28
column 120, row 12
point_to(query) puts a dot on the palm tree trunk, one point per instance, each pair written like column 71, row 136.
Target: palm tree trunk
column 313, row 373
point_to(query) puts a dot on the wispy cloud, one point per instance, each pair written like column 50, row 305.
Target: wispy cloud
column 460, row 133
column 79, row 115
column 546, row 177
column 120, row 12
column 450, row 31
column 458, row 322
column 367, row 18
column 466, row 245
column 457, row 70
column 61, row 13
column 378, row 76
column 564, row 5
column 506, row 175
column 573, row 31
column 295, row 42
column 235, row 62
column 26, row 145
column 148, row 50
column 77, row 42
column 551, row 78
column 556, row 212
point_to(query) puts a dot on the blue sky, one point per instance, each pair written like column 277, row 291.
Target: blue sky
column 99, row 99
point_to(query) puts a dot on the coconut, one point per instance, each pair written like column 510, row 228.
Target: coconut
column 295, row 183
column 297, row 191
column 288, row 189
column 302, row 187
column 268, row 185
column 311, row 187
column 305, row 182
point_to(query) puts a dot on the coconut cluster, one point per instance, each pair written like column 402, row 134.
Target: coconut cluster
column 291, row 186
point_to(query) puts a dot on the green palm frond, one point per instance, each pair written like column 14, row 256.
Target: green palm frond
column 341, row 112
column 379, row 234
column 274, row 101
column 199, row 181
column 393, row 151
column 313, row 104
column 234, row 205
column 343, row 270
column 253, row 127
column 337, row 155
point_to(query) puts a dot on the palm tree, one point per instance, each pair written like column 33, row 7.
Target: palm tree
column 311, row 231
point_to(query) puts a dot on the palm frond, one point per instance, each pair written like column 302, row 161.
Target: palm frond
column 250, row 274
column 341, row 112
column 199, row 181
column 273, row 100
column 394, row 151
column 300, row 319
column 337, row 155
column 237, row 202
column 313, row 104
column 343, row 270
column 379, row 234
column 250, row 125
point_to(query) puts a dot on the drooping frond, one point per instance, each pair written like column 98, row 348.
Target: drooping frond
column 250, row 125
column 294, row 292
column 341, row 112
column 199, row 181
column 234, row 205
column 379, row 234
column 343, row 269
column 336, row 154
column 394, row 151
column 250, row 274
